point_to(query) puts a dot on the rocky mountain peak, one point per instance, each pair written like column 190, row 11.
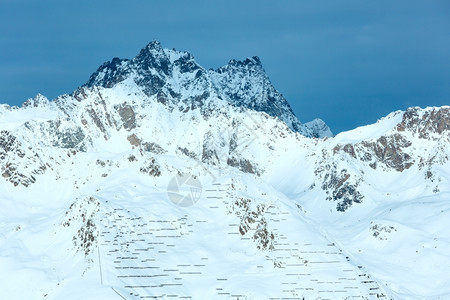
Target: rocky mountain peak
column 38, row 101
column 177, row 80
column 118, row 168
column 151, row 57
column 249, row 62
column 154, row 45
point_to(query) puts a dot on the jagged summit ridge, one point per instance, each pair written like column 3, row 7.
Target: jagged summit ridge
column 107, row 157
column 274, row 214
column 179, row 81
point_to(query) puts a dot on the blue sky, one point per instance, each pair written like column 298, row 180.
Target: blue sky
column 347, row 62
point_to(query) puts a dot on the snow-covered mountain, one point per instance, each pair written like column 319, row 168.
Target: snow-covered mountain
column 179, row 82
column 159, row 179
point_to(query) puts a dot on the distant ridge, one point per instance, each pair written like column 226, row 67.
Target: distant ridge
column 177, row 80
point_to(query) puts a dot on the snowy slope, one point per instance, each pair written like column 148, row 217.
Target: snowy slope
column 111, row 193
column 179, row 82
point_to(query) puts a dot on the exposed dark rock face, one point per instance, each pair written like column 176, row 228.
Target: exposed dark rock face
column 244, row 165
column 109, row 73
column 153, row 147
column 245, row 83
column 38, row 101
column 252, row 219
column 63, row 136
column 96, row 119
column 10, row 172
column 186, row 152
column 82, row 215
column 233, row 143
column 426, row 123
column 388, row 150
column 339, row 188
column 176, row 80
column 16, row 166
column 391, row 151
column 127, row 115
column 209, row 155
column 8, row 143
column 134, row 140
column 151, row 167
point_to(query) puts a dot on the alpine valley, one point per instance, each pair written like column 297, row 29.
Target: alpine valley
column 158, row 178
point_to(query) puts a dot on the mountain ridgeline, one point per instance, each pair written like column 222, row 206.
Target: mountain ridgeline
column 161, row 179
column 177, row 80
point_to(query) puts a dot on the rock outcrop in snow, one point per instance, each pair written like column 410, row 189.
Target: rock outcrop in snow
column 178, row 81
column 158, row 178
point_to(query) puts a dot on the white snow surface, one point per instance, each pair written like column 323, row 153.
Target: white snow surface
column 87, row 193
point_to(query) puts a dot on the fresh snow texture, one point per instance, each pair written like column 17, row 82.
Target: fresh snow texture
column 110, row 194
